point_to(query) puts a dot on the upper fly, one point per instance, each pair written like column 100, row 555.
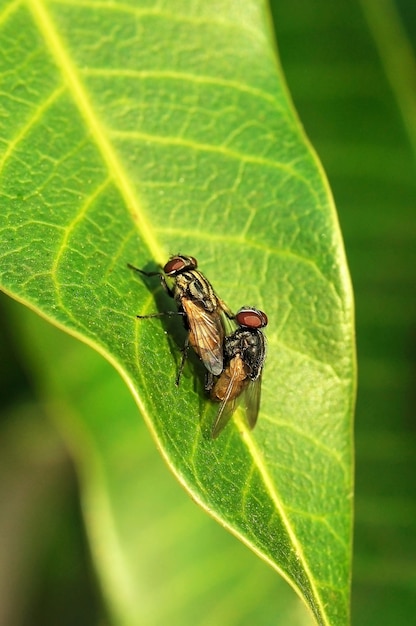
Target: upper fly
column 201, row 308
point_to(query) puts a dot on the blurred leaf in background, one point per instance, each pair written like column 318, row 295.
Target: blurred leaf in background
column 351, row 70
column 45, row 572
column 174, row 128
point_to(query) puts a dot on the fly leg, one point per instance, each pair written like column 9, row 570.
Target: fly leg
column 209, row 381
column 226, row 310
column 183, row 359
column 168, row 313
column 162, row 278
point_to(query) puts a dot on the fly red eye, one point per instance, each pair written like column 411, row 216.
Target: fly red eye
column 251, row 318
column 175, row 264
column 179, row 263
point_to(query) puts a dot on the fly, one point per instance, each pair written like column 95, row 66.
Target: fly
column 201, row 310
column 244, row 355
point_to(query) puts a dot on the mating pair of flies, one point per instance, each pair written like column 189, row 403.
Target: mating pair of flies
column 234, row 362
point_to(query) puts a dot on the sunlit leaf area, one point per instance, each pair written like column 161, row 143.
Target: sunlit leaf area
column 276, row 145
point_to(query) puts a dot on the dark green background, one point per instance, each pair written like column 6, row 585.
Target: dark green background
column 352, row 117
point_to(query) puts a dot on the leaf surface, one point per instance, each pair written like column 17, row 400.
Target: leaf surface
column 138, row 130
column 161, row 559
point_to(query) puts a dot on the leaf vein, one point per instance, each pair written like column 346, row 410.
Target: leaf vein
column 81, row 97
column 188, row 77
column 24, row 130
column 157, row 12
column 8, row 11
column 271, row 488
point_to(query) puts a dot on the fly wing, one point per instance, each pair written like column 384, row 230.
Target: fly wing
column 235, row 378
column 205, row 335
column 223, row 417
column 227, row 407
column 252, row 395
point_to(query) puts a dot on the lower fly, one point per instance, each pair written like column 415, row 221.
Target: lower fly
column 240, row 380
column 202, row 311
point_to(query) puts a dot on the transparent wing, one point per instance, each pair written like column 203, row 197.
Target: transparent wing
column 234, row 379
column 226, row 409
column 205, row 335
column 252, row 395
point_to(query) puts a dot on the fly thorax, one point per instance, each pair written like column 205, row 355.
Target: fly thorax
column 234, row 344
column 199, row 289
column 249, row 344
column 254, row 354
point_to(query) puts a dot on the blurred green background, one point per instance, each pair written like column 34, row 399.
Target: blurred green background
column 351, row 70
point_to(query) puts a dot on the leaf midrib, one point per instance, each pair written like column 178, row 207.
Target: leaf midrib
column 85, row 108
column 275, row 497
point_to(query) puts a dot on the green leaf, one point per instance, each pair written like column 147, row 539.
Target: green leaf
column 161, row 559
column 135, row 131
